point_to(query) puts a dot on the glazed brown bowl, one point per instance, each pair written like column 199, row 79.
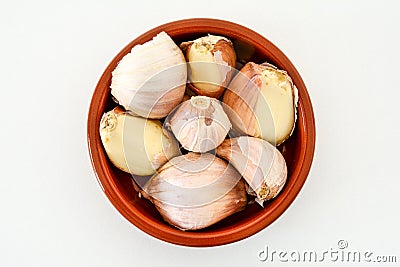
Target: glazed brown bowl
column 298, row 150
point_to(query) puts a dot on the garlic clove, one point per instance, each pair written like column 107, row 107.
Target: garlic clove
column 134, row 144
column 211, row 63
column 194, row 191
column 264, row 100
column 199, row 124
column 150, row 80
column 260, row 163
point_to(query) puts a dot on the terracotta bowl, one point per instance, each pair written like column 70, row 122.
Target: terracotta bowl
column 298, row 150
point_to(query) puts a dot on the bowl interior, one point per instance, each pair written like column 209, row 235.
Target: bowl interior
column 297, row 150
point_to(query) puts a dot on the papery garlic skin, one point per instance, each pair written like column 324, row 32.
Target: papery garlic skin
column 194, row 191
column 134, row 144
column 211, row 62
column 199, row 124
column 264, row 100
column 260, row 163
column 150, row 80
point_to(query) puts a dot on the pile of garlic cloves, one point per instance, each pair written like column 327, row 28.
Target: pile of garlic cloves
column 203, row 132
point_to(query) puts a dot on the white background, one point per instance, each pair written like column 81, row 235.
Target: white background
column 53, row 212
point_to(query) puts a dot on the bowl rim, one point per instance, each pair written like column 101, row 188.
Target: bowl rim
column 164, row 232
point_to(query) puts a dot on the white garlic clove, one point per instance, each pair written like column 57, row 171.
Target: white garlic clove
column 150, row 81
column 199, row 124
column 264, row 99
column 194, row 191
column 134, row 144
column 211, row 62
column 260, row 163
